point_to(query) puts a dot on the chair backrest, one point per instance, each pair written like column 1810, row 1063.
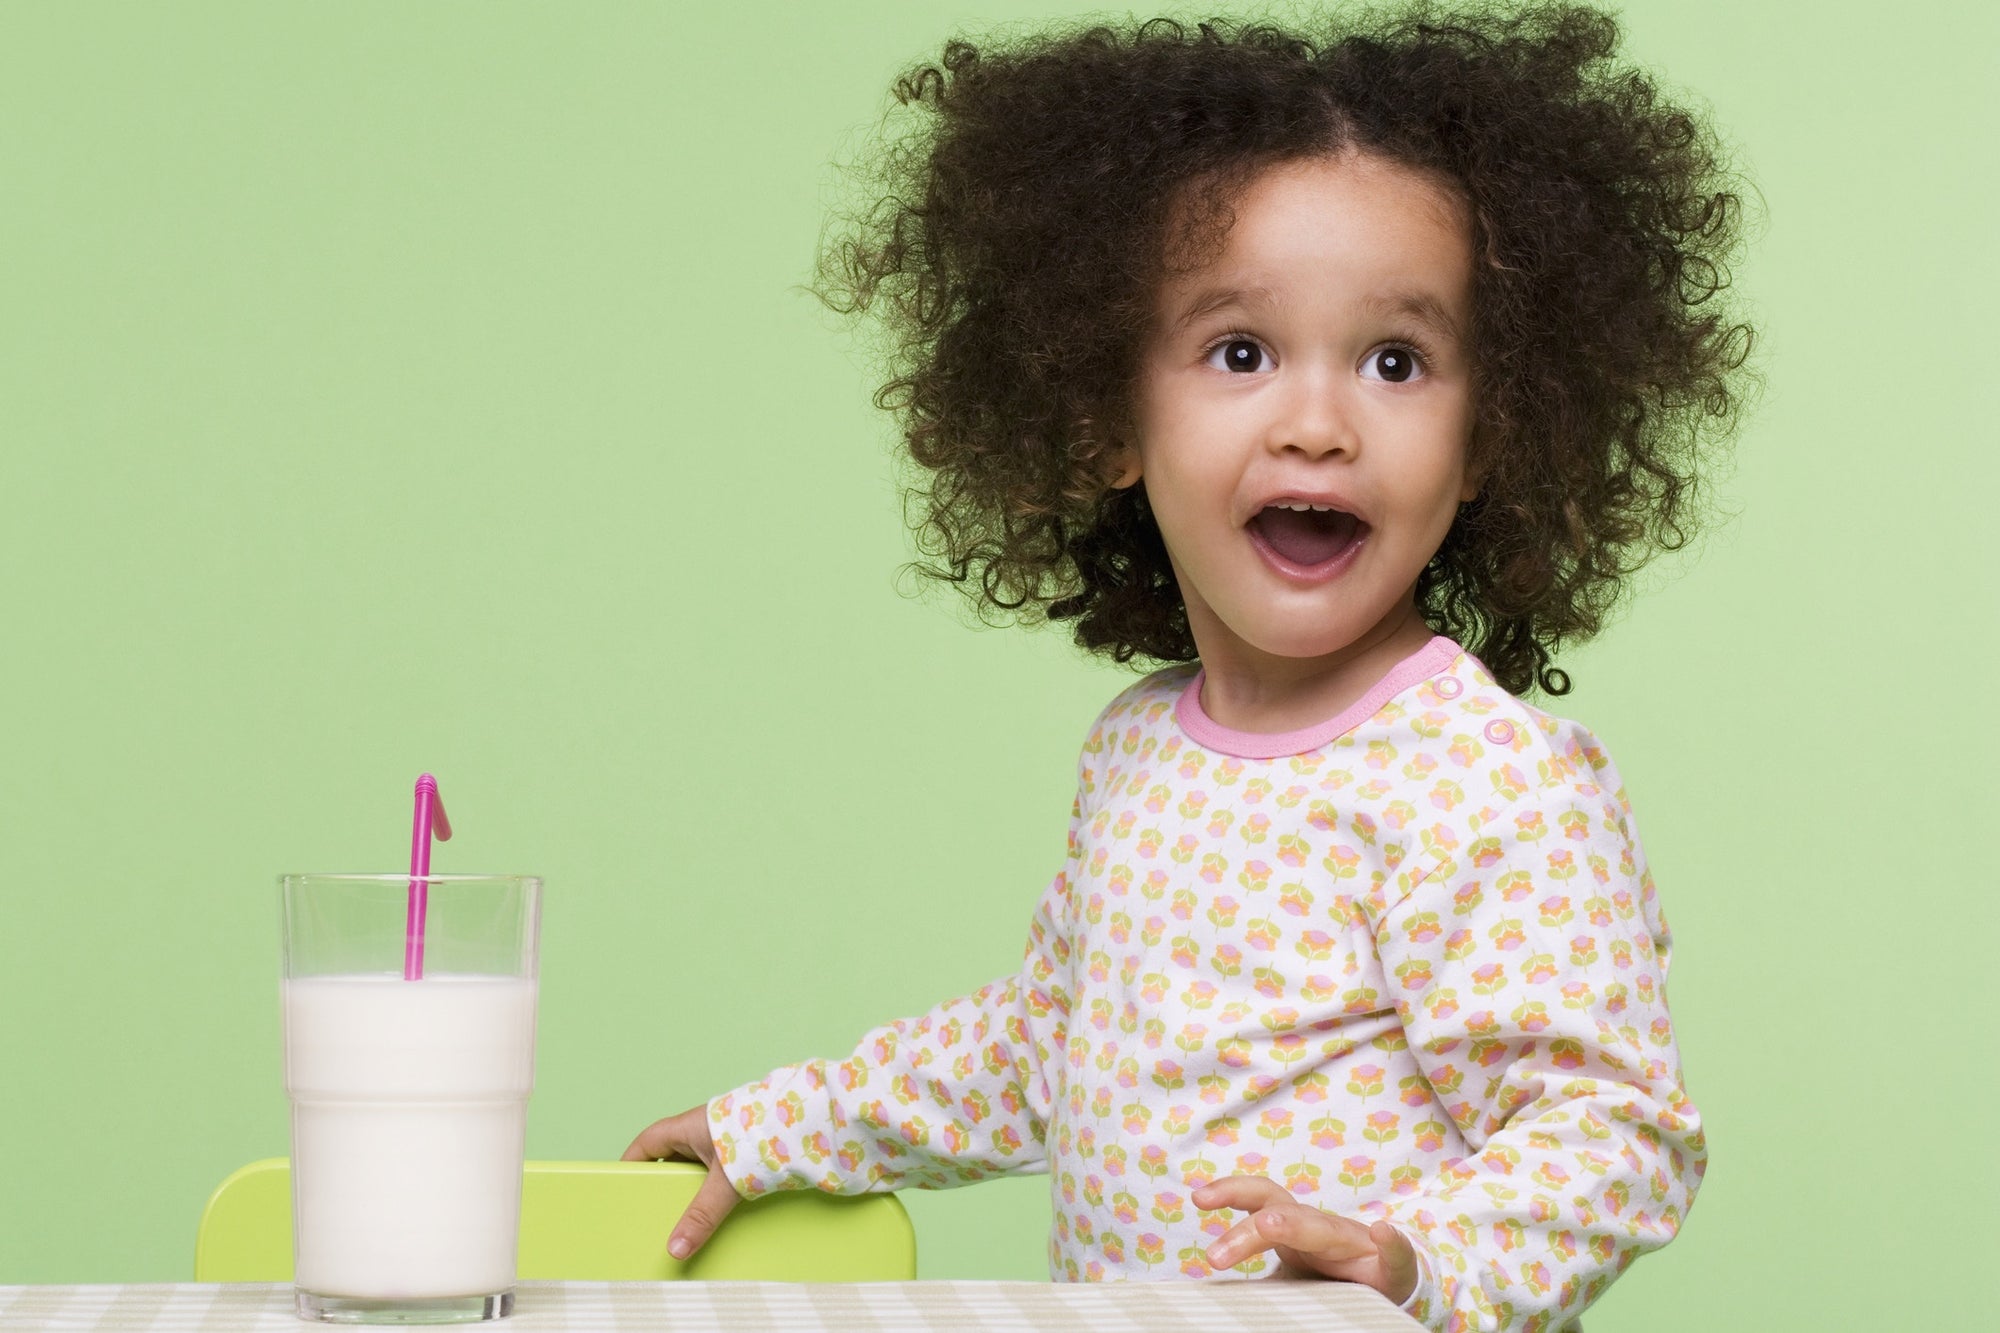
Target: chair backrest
column 603, row 1221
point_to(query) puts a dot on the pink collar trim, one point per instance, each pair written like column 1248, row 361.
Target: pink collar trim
column 1429, row 660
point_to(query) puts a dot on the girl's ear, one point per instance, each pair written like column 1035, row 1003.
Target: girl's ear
column 1126, row 461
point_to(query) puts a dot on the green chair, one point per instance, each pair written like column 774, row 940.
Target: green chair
column 604, row 1221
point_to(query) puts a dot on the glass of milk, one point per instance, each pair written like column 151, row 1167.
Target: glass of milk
column 409, row 1097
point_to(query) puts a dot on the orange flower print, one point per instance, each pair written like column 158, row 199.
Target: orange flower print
column 1316, row 988
column 1447, row 795
column 1508, row 783
column 1414, row 1091
column 1274, row 1124
column 1269, row 981
column 1290, row 797
column 1223, row 1130
column 1327, row 1132
column 1363, row 827
column 1599, row 910
column 1199, row 995
column 1508, row 934
column 1185, row 951
column 1539, row 968
column 1357, row 1172
column 1121, row 928
column 1292, row 851
column 1234, row 1052
column 1184, row 848
column 1484, row 852
column 1214, row 866
column 1366, row 1080
column 1191, row 1038
column 1509, row 1235
column 1566, row 1053
column 1458, row 946
column 1219, row 822
column 1321, row 815
column 1153, row 931
column 1222, row 912
column 1414, row 974
column 1254, row 877
column 1253, row 1164
column 1137, row 1115
column 1125, row 1207
column 1341, row 862
column 1153, row 988
column 1169, row 1075
column 1192, row 805
column 1466, row 899
column 1488, row 978
column 1153, row 1161
column 1315, row 945
column 1157, row 798
column 1383, row 1126
column 1422, row 927
column 1405, row 1180
column 1255, row 829
column 1302, row 1179
column 1228, row 771
column 1227, row 960
column 1262, row 935
column 1562, row 864
column 1464, row 751
column 1441, row 1003
column 1429, row 1136
column 1380, row 755
column 1583, row 951
column 1532, row 1016
column 1578, row 995
column 1191, row 766
column 1167, row 1206
column 1398, row 814
column 1575, row 825
column 1149, row 843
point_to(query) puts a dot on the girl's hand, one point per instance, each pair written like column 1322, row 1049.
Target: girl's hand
column 1307, row 1239
column 685, row 1136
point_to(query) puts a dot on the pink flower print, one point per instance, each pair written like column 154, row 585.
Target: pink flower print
column 1292, row 851
column 1482, row 1023
column 1575, row 825
column 1253, row 1164
column 1125, row 1207
column 849, row 1157
column 1357, row 1172
column 1114, row 1251
column 1227, row 960
column 1414, row 1091
column 1128, row 1073
column 1562, row 864
column 1228, row 771
column 1184, row 848
column 1603, row 1249
column 1621, row 953
column 1422, row 928
column 1262, row 935
column 1414, row 974
column 1555, row 910
column 1157, row 798
column 1153, row 931
column 1151, row 1249
column 1383, row 1126
column 1583, row 950
column 1123, row 828
column 1660, row 1032
column 1149, row 843
column 1191, row 765
column 1296, row 899
column 1488, row 978
column 1529, row 826
column 1192, row 1037
column 1290, row 797
column 1154, row 987
column 1539, row 968
column 1302, row 1179
column 1536, row 1275
column 1514, row 885
column 1316, row 988
column 1429, row 1136
column 1167, row 1206
column 1183, row 904
column 1098, row 860
column 1195, row 1173
column 1281, row 1018
column 773, row 1153
column 1509, row 1234
column 1185, row 951
column 1309, row 1087
column 1222, row 912
column 1366, row 1080
column 1380, row 755
column 1214, row 1089
column 1255, row 829
column 1100, row 965
column 1441, row 1003
column 1153, row 1161
column 1322, row 816
column 1327, row 1132
column 1121, row 927
column 1405, row 1180
column 1222, row 1131
column 1193, row 804
column 1467, row 898
column 1508, row 934
column 1219, row 822
column 1459, row 945
column 1419, row 767
column 1645, row 987
column 957, row 1138
column 1156, row 1032
column 1315, row 945
column 1599, row 910
column 1532, row 1016
column 1363, row 827
column 1254, row 877
column 1255, row 790
column 791, row 1109
column 1550, row 1175
column 1214, row 866
column 1137, row 1116
column 1177, row 1120
column 1484, row 851
column 1566, row 1053
column 1234, row 1052
column 1199, row 994
column 1464, row 750
column 1398, row 814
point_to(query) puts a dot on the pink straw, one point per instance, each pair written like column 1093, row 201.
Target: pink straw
column 430, row 818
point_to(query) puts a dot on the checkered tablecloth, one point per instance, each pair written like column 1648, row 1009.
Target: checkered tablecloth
column 685, row 1307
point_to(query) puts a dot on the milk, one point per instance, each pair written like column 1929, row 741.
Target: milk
column 409, row 1110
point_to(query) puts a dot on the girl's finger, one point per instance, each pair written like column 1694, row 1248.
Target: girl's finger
column 711, row 1203
column 1246, row 1192
column 1236, row 1244
column 1399, row 1261
column 1320, row 1239
column 671, row 1137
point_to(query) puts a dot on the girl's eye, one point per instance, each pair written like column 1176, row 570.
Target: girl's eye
column 1397, row 365
column 1238, row 354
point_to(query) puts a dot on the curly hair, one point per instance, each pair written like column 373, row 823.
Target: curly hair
column 1018, row 236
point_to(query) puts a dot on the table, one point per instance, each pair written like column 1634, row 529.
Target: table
column 1266, row 1306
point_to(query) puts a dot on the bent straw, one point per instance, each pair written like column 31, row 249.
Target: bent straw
column 430, row 817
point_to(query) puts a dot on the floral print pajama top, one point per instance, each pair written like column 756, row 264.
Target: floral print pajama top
column 1407, row 963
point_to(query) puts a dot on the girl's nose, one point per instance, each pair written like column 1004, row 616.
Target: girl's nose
column 1315, row 418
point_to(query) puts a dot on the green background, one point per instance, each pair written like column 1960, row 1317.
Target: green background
column 392, row 387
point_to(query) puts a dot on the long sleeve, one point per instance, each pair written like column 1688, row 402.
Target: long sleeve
column 1531, row 985
column 959, row 1094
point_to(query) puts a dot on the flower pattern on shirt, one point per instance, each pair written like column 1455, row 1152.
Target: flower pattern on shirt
column 1415, row 972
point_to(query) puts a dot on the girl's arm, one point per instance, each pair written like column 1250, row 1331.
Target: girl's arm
column 1533, row 997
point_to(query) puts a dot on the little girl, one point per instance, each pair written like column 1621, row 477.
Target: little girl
column 1350, row 376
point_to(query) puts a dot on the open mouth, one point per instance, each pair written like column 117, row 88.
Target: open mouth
column 1307, row 534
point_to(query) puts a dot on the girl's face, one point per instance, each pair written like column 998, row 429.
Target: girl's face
column 1304, row 409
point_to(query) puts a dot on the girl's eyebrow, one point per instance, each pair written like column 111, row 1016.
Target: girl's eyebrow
column 1424, row 307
